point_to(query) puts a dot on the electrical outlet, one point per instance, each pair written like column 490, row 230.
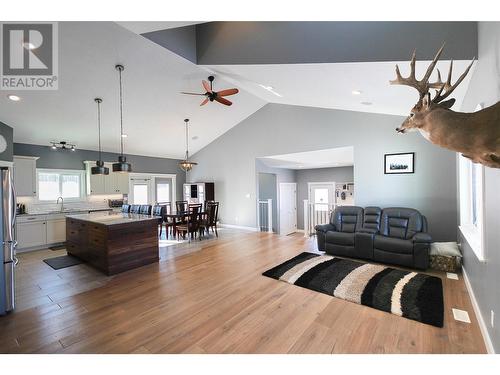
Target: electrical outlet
column 492, row 319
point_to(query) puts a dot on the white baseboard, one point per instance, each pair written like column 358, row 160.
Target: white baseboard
column 477, row 311
column 300, row 230
column 251, row 229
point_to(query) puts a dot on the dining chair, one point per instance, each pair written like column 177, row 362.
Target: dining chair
column 193, row 224
column 159, row 211
column 145, row 209
column 125, row 208
column 210, row 217
column 135, row 208
column 181, row 206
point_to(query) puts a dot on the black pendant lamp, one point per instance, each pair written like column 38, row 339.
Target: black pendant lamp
column 99, row 164
column 186, row 165
column 121, row 166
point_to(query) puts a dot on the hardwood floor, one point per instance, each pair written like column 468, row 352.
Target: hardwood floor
column 210, row 297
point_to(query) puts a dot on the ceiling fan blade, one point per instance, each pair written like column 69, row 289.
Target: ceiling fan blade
column 204, row 102
column 223, row 101
column 191, row 93
column 228, row 92
column 206, row 86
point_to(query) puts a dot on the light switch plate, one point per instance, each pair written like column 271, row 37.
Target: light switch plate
column 461, row 315
column 451, row 275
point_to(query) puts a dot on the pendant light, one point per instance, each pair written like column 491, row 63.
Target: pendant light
column 121, row 166
column 185, row 164
column 99, row 164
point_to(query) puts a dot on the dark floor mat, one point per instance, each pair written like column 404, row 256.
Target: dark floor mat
column 62, row 262
column 57, row 247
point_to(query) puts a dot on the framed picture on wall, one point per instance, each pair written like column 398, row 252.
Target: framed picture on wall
column 401, row 163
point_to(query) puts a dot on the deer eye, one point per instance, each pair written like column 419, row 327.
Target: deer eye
column 412, row 114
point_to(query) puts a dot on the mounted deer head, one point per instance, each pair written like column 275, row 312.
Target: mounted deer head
column 476, row 135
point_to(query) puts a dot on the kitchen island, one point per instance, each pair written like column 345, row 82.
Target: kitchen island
column 113, row 242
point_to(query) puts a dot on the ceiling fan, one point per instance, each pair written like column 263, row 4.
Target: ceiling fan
column 212, row 95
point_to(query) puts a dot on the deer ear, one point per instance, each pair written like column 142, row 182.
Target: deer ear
column 448, row 103
column 426, row 101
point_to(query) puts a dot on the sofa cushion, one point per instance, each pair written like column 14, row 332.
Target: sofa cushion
column 347, row 219
column 371, row 218
column 393, row 245
column 401, row 222
column 340, row 238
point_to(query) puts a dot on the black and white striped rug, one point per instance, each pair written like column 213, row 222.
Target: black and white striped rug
column 409, row 294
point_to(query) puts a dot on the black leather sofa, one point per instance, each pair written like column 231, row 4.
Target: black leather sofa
column 392, row 235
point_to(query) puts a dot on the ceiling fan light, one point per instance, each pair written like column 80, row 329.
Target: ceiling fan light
column 122, row 166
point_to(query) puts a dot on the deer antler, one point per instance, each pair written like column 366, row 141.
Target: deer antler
column 447, row 86
column 423, row 85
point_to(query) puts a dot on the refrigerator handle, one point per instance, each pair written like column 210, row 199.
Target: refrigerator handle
column 16, row 262
column 14, row 199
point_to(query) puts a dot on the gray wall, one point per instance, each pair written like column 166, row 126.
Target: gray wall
column 74, row 160
column 303, row 176
column 485, row 277
column 267, row 190
column 282, row 175
column 219, row 43
column 7, row 132
column 180, row 40
column 281, row 129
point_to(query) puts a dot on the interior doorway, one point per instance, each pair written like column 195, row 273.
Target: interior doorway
column 288, row 207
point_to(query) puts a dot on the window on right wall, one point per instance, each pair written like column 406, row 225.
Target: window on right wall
column 471, row 185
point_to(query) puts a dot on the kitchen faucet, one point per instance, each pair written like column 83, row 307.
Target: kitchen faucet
column 62, row 203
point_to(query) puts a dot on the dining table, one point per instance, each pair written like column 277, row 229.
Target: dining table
column 179, row 215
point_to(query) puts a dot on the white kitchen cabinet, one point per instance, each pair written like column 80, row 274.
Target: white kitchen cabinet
column 114, row 183
column 56, row 231
column 25, row 175
column 31, row 231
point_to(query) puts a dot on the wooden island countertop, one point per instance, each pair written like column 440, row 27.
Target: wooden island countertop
column 113, row 242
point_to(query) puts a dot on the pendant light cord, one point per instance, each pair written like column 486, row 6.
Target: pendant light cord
column 99, row 125
column 187, row 144
column 121, row 111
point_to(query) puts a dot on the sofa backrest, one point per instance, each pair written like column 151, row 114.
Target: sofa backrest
column 400, row 222
column 347, row 219
column 371, row 218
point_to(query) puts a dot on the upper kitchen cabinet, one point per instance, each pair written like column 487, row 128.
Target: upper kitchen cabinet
column 25, row 175
column 114, row 183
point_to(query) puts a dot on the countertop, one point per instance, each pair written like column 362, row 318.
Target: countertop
column 112, row 218
column 67, row 212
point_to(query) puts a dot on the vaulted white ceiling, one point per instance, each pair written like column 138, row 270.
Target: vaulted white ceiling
column 154, row 109
column 332, row 85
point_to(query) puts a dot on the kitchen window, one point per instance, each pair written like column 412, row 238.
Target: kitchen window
column 53, row 184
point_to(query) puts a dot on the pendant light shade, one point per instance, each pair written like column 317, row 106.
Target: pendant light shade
column 121, row 166
column 186, row 165
column 99, row 164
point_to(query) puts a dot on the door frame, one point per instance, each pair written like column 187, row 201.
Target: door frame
column 280, row 184
column 152, row 184
column 311, row 184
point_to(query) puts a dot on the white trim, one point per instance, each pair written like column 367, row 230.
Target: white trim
column 79, row 172
column 4, row 163
column 479, row 316
column 26, row 157
column 251, row 229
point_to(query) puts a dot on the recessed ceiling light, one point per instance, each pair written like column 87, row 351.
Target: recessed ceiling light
column 366, row 103
column 357, row 92
column 14, row 98
column 194, row 138
column 28, row 45
column 124, row 135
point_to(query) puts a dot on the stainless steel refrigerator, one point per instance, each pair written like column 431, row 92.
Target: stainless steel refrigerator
column 8, row 259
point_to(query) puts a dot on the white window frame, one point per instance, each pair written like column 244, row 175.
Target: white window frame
column 473, row 234
column 78, row 172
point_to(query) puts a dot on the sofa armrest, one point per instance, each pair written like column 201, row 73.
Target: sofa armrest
column 325, row 228
column 422, row 238
column 368, row 230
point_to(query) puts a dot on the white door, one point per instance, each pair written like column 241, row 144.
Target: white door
column 288, row 208
column 140, row 192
